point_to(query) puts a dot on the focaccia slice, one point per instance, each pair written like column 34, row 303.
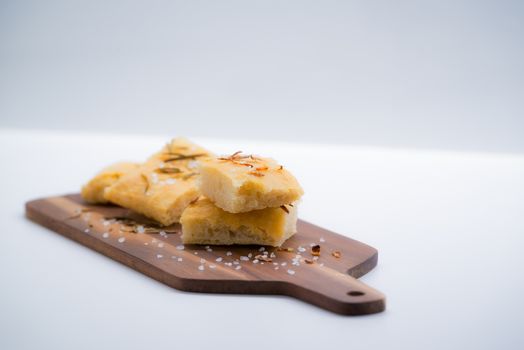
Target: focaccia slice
column 241, row 183
column 205, row 223
column 94, row 190
column 164, row 185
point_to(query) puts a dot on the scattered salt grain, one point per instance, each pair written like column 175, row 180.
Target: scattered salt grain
column 159, row 256
column 238, row 267
column 179, row 259
column 244, row 258
column 261, row 249
column 201, row 267
column 122, row 239
column 321, row 240
column 140, row 229
column 212, row 266
column 229, row 253
column 202, row 260
column 219, row 259
column 160, row 245
column 255, row 261
column 170, row 181
column 284, row 264
column 301, row 249
column 105, row 235
column 180, row 247
column 250, row 255
column 86, row 230
column 291, row 272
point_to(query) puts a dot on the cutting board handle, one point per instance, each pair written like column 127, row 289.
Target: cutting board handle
column 338, row 292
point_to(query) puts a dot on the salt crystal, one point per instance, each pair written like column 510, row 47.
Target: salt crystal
column 201, row 267
column 179, row 259
column 229, row 253
column 196, row 253
column 255, row 261
column 202, row 260
column 122, row 239
column 105, row 235
column 219, row 259
column 321, row 240
column 212, row 266
column 86, row 230
column 145, row 243
column 170, row 181
column 244, row 258
column 261, row 249
column 321, row 264
column 301, row 249
column 180, row 247
column 284, row 264
column 291, row 272
column 238, row 267
column 160, row 245
column 140, row 229
column 276, row 267
column 209, row 249
column 159, row 256
column 250, row 255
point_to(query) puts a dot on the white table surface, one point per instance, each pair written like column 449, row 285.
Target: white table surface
column 449, row 228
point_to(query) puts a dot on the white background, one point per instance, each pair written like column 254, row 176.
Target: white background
column 433, row 74
column 413, row 109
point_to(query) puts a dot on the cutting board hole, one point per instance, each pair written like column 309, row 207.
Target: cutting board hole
column 355, row 293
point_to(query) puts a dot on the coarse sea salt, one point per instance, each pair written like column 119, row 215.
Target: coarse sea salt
column 291, row 272
column 238, row 267
column 229, row 253
column 122, row 239
column 201, row 267
column 321, row 240
column 180, row 247
column 159, row 256
column 160, row 245
column 244, row 258
column 219, row 259
column 105, row 235
column 140, row 229
column 301, row 249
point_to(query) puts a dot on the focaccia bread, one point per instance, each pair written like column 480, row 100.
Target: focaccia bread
column 94, row 190
column 164, row 185
column 205, row 223
column 241, row 183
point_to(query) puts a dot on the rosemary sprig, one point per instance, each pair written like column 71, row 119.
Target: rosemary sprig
column 185, row 156
column 169, row 170
column 147, row 183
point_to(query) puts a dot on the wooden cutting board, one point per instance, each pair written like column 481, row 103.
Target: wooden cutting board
column 328, row 282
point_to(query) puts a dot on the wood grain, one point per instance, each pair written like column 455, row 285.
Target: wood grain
column 328, row 282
